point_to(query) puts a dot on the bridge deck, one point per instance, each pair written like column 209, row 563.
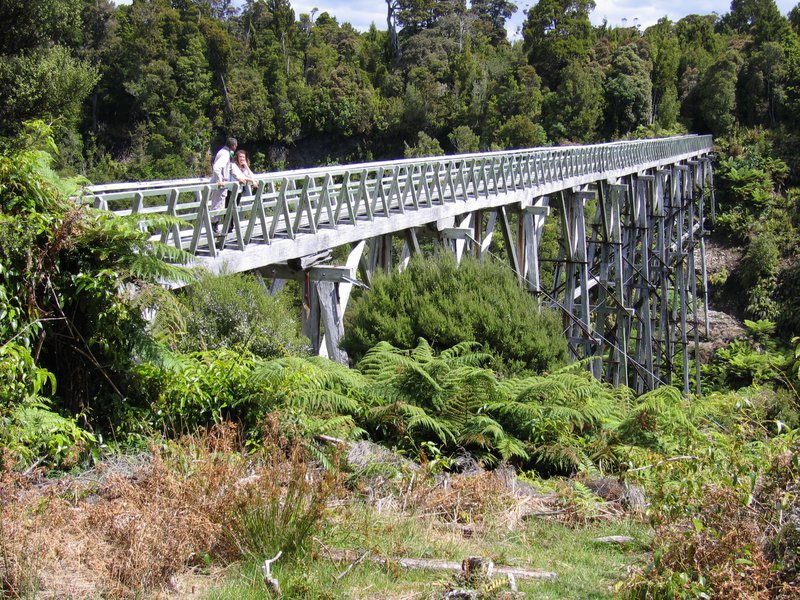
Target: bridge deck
column 297, row 213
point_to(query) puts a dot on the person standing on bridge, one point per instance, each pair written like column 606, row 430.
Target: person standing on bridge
column 221, row 174
column 240, row 171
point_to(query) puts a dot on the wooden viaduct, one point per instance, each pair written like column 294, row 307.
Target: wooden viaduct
column 630, row 219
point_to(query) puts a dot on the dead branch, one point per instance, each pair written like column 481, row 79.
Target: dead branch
column 441, row 565
column 273, row 583
column 350, row 568
column 661, row 462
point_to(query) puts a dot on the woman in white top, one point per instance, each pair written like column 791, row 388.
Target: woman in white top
column 240, row 171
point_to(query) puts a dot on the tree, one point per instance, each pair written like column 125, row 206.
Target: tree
column 464, row 140
column 556, row 33
column 760, row 18
column 574, row 111
column 761, row 89
column 425, row 146
column 717, row 95
column 68, row 272
column 416, row 15
column 30, row 25
column 492, row 16
column 665, row 56
column 794, row 18
column 628, row 92
column 521, row 132
column 47, row 83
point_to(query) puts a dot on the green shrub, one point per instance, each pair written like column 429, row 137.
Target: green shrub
column 201, row 389
column 446, row 304
column 235, row 311
column 30, row 430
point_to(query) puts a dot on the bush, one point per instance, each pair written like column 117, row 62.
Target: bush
column 436, row 299
column 202, row 389
column 236, row 312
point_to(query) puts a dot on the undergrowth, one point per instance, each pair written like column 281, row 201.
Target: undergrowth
column 125, row 530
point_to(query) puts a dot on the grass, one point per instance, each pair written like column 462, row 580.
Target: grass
column 586, row 568
column 171, row 527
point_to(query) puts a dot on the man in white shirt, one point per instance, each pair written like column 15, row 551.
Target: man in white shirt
column 221, row 174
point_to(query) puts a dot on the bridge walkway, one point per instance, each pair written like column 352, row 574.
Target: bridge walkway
column 613, row 277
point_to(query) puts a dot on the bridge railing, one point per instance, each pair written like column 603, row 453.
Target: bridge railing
column 286, row 204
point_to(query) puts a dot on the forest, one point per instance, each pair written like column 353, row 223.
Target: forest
column 155, row 441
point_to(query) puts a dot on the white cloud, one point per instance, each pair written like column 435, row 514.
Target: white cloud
column 359, row 13
column 362, row 13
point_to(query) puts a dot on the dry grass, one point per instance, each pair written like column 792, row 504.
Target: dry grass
column 127, row 534
column 727, row 549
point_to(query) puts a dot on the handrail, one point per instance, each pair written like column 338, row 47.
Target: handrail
column 289, row 204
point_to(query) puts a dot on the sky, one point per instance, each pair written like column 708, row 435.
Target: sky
column 362, row 13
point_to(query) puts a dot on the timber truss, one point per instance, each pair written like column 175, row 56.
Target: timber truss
column 628, row 218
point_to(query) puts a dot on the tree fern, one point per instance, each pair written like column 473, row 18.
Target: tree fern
column 399, row 419
column 658, row 421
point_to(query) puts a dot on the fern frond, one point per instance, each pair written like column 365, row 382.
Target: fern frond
column 519, row 413
column 482, row 431
column 341, row 426
column 565, row 457
column 512, row 388
column 421, row 421
column 510, row 447
column 578, row 366
column 324, row 401
column 422, row 352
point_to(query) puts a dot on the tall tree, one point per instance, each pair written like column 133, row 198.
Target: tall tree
column 717, row 95
column 415, row 15
column 28, row 25
column 665, row 56
column 556, row 33
column 492, row 16
column 760, row 18
column 573, row 112
column 628, row 92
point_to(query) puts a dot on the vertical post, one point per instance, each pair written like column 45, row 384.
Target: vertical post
column 310, row 316
column 508, row 237
column 330, row 309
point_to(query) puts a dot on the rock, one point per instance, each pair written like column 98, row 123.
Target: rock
column 722, row 327
column 607, row 488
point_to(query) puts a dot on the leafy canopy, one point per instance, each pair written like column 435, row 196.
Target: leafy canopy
column 447, row 303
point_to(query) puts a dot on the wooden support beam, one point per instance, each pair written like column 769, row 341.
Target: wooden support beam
column 318, row 273
column 508, row 238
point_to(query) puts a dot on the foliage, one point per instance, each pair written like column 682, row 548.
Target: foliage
column 232, row 311
column 753, row 361
column 418, row 303
column 149, row 89
column 417, row 397
column 658, row 421
column 628, row 91
column 48, row 83
column 521, row 132
column 31, row 431
column 725, row 497
column 68, row 274
column 566, row 420
column 556, row 33
column 425, row 146
column 200, row 389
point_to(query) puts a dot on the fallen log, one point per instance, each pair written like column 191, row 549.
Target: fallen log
column 438, row 565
